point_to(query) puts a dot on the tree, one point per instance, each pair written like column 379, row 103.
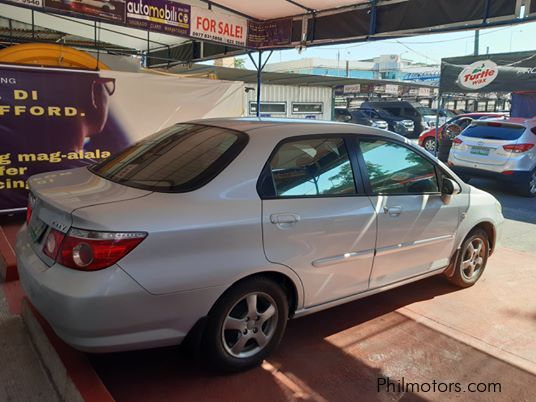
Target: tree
column 239, row 63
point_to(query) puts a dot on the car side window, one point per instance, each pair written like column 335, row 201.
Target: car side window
column 396, row 169
column 312, row 167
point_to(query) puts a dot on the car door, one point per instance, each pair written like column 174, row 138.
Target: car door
column 316, row 218
column 415, row 226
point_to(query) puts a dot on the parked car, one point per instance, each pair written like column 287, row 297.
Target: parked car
column 423, row 117
column 223, row 229
column 356, row 116
column 444, row 115
column 427, row 138
column 360, row 117
column 404, row 127
column 502, row 149
column 342, row 115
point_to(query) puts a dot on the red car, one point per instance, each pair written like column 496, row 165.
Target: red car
column 427, row 138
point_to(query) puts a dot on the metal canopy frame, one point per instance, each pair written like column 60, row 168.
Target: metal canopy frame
column 259, row 66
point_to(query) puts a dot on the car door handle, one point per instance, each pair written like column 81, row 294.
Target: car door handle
column 392, row 211
column 284, row 218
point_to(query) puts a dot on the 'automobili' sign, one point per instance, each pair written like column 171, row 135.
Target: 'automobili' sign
column 159, row 15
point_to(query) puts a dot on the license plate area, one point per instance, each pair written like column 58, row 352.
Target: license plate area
column 480, row 151
column 36, row 228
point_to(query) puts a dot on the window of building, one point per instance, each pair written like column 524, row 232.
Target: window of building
column 307, row 107
column 268, row 108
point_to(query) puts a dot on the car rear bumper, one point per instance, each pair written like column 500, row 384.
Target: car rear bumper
column 106, row 310
column 514, row 176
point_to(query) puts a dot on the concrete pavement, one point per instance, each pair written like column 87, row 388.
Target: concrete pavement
column 22, row 376
column 420, row 333
column 428, row 334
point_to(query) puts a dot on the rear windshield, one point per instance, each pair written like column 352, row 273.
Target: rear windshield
column 423, row 110
column 358, row 114
column 506, row 133
column 180, row 158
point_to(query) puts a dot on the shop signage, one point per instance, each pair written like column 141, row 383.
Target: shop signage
column 424, row 92
column 159, row 15
column 170, row 17
column 59, row 119
column 478, row 74
column 269, row 33
column 500, row 72
column 32, row 3
column 352, row 89
column 106, row 10
column 217, row 27
column 391, row 89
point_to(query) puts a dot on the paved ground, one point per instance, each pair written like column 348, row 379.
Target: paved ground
column 424, row 332
column 419, row 333
column 22, row 377
column 520, row 212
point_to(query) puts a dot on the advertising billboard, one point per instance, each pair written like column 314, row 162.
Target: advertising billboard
column 504, row 72
column 53, row 119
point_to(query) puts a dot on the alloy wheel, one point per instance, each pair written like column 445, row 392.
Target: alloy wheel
column 532, row 183
column 249, row 325
column 473, row 259
column 430, row 145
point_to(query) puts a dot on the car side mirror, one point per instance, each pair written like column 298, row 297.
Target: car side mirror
column 449, row 188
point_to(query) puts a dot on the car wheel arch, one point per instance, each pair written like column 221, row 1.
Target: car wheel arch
column 292, row 287
column 487, row 227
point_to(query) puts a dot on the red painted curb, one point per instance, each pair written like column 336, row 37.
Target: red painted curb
column 7, row 253
column 78, row 367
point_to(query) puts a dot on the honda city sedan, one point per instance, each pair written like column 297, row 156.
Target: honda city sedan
column 221, row 230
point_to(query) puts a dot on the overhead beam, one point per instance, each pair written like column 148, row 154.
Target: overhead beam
column 295, row 3
column 211, row 3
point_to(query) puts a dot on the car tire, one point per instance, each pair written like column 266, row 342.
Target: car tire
column 472, row 259
column 234, row 341
column 429, row 144
column 529, row 187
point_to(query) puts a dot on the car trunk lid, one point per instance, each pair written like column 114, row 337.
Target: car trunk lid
column 56, row 195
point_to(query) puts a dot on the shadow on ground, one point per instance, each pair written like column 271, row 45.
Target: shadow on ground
column 335, row 355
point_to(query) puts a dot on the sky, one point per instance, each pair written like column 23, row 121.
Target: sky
column 425, row 48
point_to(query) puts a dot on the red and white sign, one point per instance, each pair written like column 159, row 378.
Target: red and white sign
column 218, row 27
column 478, row 74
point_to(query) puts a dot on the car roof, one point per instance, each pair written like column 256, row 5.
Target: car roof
column 479, row 114
column 523, row 121
column 263, row 126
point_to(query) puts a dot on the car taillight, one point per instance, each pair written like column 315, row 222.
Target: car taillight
column 456, row 140
column 90, row 251
column 518, row 148
column 29, row 207
column 53, row 243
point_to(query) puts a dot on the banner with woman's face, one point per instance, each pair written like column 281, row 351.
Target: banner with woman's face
column 53, row 119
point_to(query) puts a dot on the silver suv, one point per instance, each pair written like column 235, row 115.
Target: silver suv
column 504, row 149
column 224, row 229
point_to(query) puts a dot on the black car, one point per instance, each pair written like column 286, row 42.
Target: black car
column 421, row 116
column 395, row 124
